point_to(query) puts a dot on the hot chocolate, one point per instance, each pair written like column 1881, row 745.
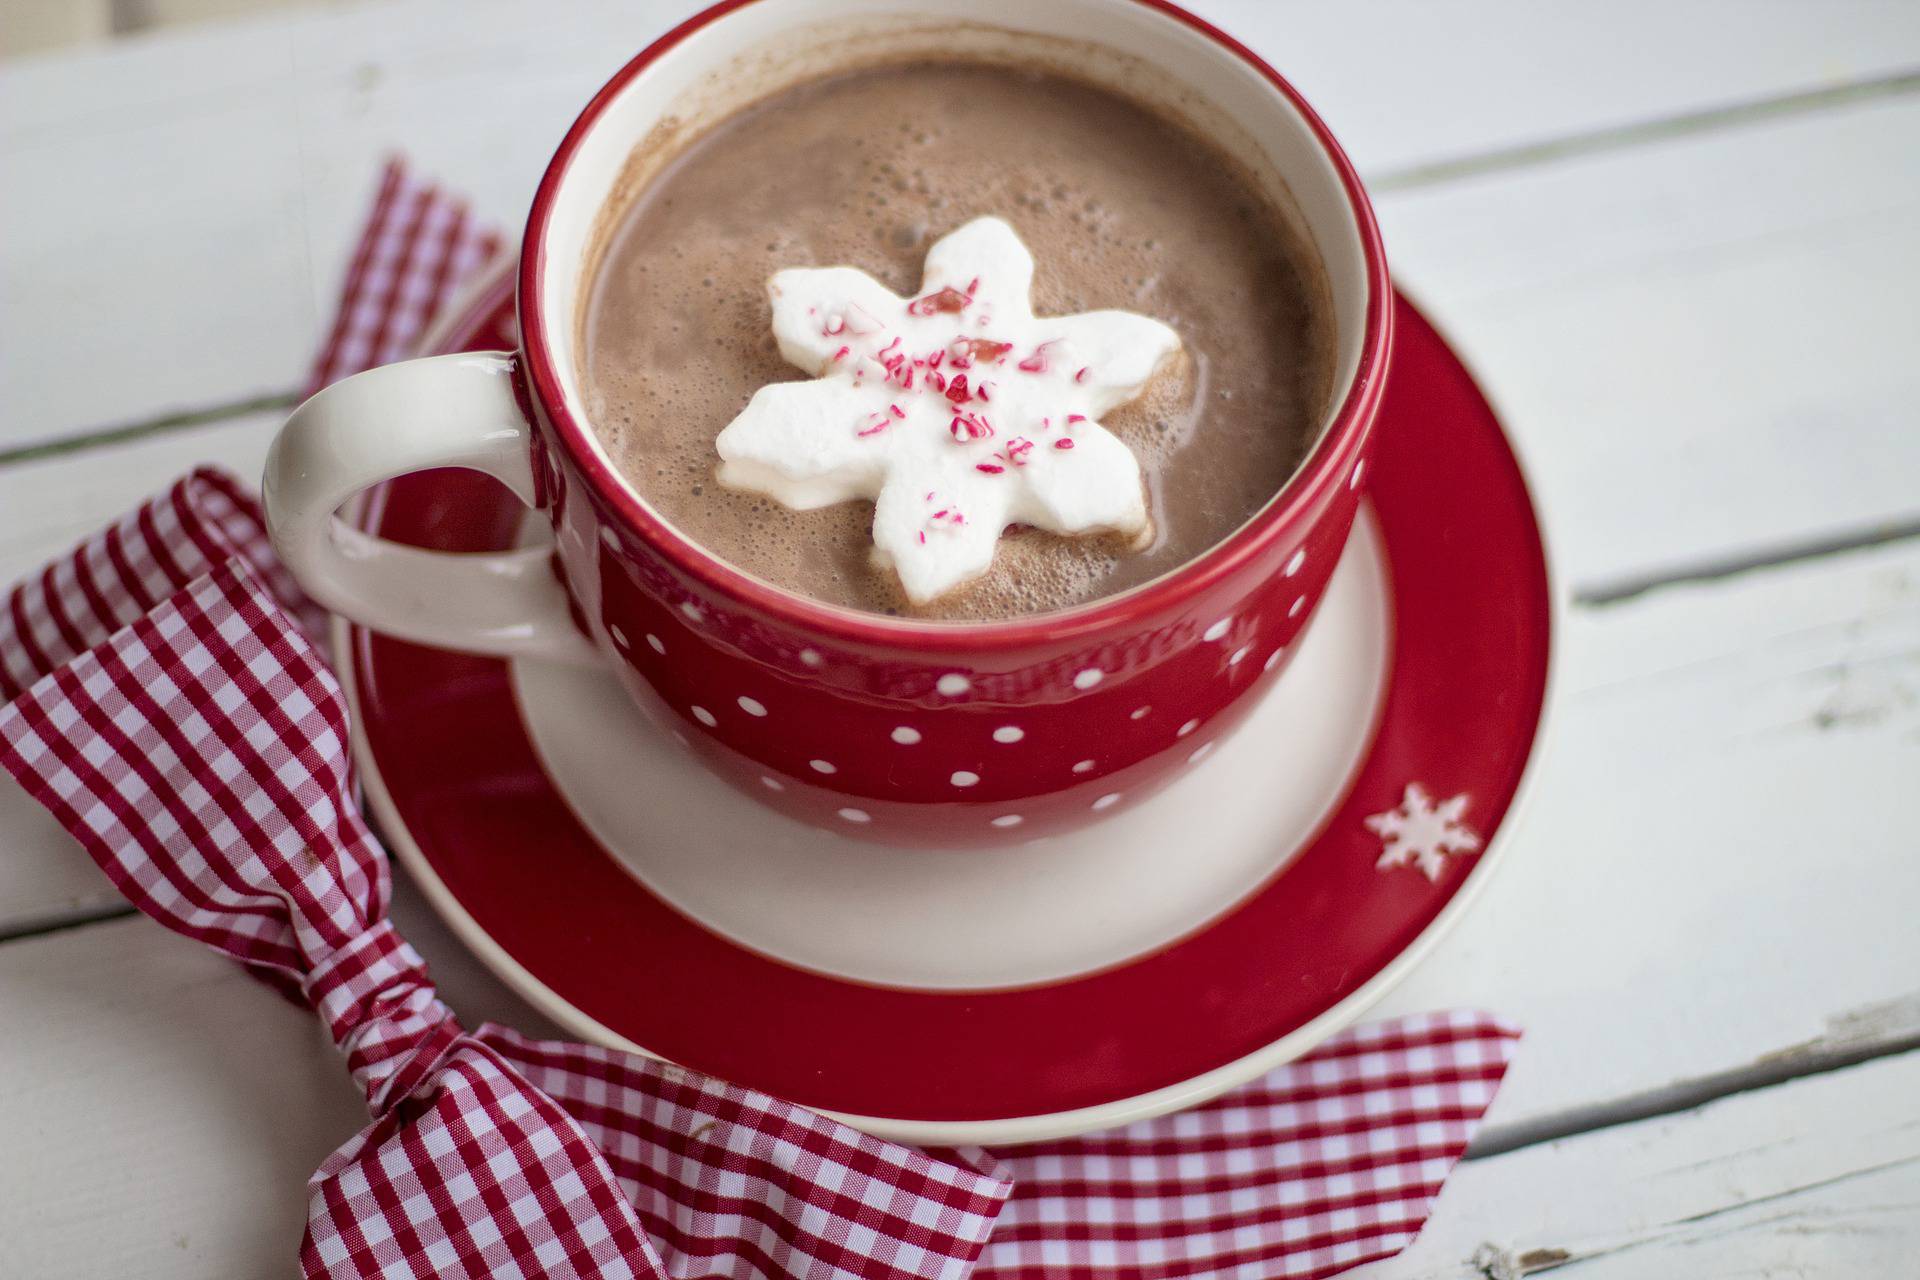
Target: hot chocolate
column 1121, row 208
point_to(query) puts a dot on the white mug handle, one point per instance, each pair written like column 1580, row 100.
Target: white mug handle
column 439, row 411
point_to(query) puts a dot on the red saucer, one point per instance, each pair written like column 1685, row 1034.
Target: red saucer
column 462, row 796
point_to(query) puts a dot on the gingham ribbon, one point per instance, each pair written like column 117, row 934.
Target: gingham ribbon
column 165, row 702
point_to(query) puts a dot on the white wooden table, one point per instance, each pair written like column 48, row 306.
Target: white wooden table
column 1681, row 244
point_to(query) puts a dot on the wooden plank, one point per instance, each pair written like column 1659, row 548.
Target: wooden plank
column 1705, row 345
column 1820, row 1177
column 161, row 1111
column 249, row 149
column 1715, row 867
column 1405, row 83
column 1474, row 68
column 154, row 255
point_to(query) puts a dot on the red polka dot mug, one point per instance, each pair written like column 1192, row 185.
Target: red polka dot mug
column 906, row 731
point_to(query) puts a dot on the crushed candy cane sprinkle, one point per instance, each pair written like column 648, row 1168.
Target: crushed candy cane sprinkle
column 959, row 393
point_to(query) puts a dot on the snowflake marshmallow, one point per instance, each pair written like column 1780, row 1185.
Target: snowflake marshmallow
column 1420, row 833
column 958, row 411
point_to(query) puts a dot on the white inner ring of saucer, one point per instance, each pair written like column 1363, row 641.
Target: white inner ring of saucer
column 980, row 919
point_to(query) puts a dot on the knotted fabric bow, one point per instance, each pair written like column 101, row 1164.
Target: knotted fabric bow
column 165, row 700
column 194, row 740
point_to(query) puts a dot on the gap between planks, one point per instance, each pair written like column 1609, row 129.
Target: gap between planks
column 1883, row 1030
column 163, row 424
column 1820, row 1181
column 1643, row 132
column 1393, row 181
column 1713, row 570
column 61, row 921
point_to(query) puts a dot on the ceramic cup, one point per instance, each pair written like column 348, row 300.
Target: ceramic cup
column 910, row 732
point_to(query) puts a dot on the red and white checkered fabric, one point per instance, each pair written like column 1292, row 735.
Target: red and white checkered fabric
column 418, row 246
column 1318, row 1166
column 164, row 700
